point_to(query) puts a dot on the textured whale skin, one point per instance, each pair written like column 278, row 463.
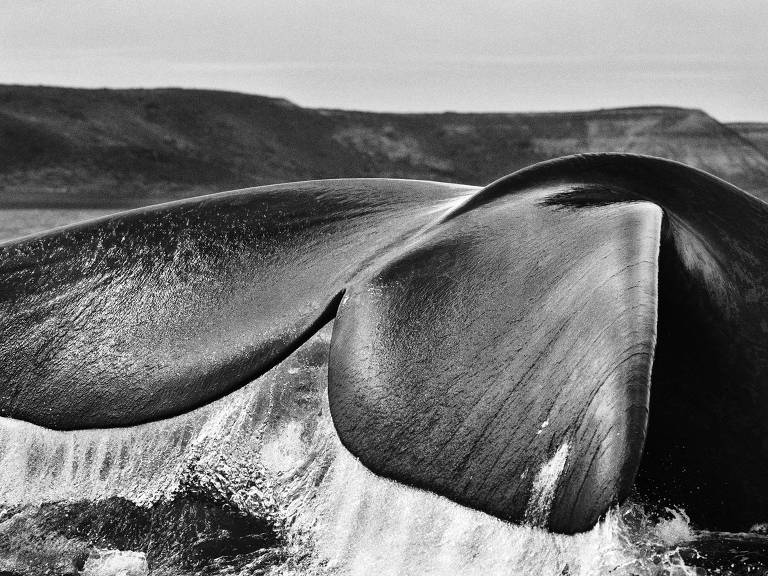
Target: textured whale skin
column 535, row 349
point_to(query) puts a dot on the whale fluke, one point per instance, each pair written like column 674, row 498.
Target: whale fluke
column 536, row 349
column 534, row 328
column 150, row 313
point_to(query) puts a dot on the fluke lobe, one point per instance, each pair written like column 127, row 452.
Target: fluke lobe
column 536, row 349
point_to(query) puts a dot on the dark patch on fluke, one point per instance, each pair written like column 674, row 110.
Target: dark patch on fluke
column 536, row 349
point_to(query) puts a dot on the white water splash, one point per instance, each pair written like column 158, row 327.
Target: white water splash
column 543, row 488
column 115, row 563
column 363, row 524
column 271, row 448
column 676, row 529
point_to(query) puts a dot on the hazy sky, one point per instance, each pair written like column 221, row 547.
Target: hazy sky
column 513, row 55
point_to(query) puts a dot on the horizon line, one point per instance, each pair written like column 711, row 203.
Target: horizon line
column 585, row 110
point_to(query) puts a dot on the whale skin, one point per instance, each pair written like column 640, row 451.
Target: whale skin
column 538, row 349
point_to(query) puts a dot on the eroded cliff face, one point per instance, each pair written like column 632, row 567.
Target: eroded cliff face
column 65, row 147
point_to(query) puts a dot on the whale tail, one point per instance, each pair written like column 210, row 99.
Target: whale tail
column 496, row 346
column 149, row 313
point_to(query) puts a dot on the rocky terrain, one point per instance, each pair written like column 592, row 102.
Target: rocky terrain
column 62, row 147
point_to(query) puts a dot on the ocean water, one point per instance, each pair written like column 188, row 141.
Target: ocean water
column 258, row 483
column 18, row 222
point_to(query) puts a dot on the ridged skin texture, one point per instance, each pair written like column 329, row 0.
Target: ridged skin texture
column 512, row 330
column 707, row 443
column 500, row 347
column 150, row 313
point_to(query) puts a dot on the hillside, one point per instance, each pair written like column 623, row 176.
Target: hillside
column 755, row 132
column 61, row 146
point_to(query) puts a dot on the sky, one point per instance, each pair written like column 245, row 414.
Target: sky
column 406, row 56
